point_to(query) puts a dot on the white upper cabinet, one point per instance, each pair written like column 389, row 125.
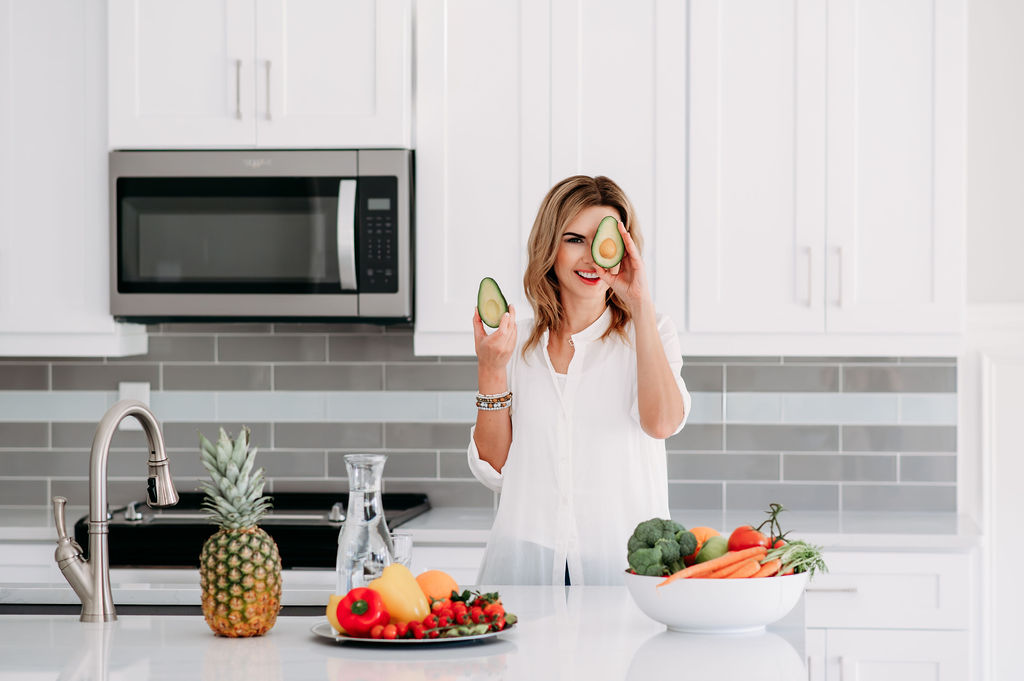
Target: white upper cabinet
column 260, row 73
column 482, row 158
column 549, row 90
column 757, row 177
column 797, row 166
column 896, row 166
column 827, row 167
column 54, row 290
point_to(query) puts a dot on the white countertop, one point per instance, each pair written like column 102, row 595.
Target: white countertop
column 587, row 633
column 861, row 530
column 28, row 574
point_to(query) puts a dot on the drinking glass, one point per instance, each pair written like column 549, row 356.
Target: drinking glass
column 402, row 543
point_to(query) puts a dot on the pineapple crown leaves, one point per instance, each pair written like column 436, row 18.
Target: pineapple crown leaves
column 234, row 498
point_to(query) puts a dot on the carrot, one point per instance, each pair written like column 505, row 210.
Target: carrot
column 787, row 571
column 769, row 568
column 727, row 570
column 707, row 567
column 748, row 568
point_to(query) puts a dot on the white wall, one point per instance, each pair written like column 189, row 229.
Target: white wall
column 995, row 152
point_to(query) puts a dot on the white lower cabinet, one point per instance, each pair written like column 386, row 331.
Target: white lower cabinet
column 887, row 655
column 884, row 615
column 462, row 562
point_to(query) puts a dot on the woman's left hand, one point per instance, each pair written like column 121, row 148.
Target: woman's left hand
column 628, row 279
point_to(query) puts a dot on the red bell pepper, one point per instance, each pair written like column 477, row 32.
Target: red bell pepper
column 360, row 611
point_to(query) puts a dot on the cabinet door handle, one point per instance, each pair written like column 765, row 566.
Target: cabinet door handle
column 238, row 89
column 834, row 590
column 269, row 117
column 810, row 275
column 839, row 276
column 847, row 669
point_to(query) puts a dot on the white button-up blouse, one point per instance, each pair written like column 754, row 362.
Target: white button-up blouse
column 581, row 473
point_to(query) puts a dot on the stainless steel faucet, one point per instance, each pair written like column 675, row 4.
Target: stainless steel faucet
column 91, row 578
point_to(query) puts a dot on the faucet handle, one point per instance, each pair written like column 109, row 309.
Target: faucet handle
column 67, row 548
column 59, row 517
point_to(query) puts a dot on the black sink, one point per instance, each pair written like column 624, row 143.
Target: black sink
column 174, row 537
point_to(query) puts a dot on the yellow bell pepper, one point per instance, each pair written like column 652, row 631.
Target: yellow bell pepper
column 403, row 598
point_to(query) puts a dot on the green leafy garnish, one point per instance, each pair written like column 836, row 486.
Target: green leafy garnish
column 798, row 555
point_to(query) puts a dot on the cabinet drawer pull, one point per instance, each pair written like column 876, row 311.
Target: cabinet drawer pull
column 835, row 590
column 238, row 89
column 269, row 117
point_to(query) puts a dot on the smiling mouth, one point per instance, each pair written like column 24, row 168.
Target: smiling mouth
column 590, row 278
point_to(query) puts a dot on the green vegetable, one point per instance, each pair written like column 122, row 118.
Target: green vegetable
column 657, row 547
column 798, row 555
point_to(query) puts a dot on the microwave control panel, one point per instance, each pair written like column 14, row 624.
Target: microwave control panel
column 377, row 198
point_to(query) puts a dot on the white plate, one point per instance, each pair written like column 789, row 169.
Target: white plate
column 325, row 630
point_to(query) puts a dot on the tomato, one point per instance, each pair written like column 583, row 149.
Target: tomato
column 776, row 543
column 745, row 537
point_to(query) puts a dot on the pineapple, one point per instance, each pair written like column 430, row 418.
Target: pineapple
column 239, row 567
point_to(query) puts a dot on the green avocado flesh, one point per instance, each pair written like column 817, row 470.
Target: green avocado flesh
column 490, row 303
column 607, row 247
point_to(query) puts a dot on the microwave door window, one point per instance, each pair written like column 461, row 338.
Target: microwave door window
column 238, row 241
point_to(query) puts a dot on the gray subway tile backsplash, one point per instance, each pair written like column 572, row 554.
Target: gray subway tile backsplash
column 23, row 435
column 276, row 348
column 396, row 347
column 696, row 495
column 217, row 376
column 698, row 437
column 24, row 376
column 899, row 379
column 430, row 377
column 328, row 435
column 838, row 467
column 899, row 438
column 103, row 376
column 16, row 492
column 793, row 496
column 759, row 438
column 927, row 468
column 723, row 466
column 812, row 433
column 703, row 377
column 898, row 498
column 176, row 349
column 804, row 379
column 328, row 377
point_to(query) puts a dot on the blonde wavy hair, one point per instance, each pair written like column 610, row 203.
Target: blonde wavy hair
column 562, row 204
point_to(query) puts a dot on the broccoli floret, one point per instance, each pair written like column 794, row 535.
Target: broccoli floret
column 687, row 542
column 647, row 562
column 667, row 536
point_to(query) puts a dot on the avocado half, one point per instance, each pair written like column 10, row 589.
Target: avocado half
column 607, row 246
column 490, row 303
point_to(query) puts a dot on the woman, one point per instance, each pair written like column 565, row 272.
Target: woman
column 575, row 405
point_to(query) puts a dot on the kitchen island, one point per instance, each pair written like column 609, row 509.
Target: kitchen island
column 563, row 633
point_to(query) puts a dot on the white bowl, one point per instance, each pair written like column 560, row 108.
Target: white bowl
column 716, row 605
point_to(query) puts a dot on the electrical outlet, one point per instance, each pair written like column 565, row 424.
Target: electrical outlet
column 132, row 391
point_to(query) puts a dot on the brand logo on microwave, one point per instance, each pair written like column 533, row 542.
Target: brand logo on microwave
column 256, row 163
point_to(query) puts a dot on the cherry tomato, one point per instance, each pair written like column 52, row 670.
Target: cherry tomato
column 776, row 543
column 745, row 537
column 390, row 631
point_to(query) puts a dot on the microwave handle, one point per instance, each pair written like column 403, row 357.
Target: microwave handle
column 346, row 234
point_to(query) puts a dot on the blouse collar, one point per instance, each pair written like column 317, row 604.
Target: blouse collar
column 595, row 330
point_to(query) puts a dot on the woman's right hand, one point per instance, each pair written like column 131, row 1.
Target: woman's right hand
column 493, row 351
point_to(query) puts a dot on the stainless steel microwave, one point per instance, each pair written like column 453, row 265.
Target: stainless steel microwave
column 261, row 235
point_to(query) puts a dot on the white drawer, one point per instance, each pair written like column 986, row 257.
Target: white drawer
column 892, row 590
column 461, row 562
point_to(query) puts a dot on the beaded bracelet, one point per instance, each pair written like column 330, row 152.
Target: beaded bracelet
column 494, row 402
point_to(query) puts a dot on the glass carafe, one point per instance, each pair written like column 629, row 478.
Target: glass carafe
column 364, row 543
